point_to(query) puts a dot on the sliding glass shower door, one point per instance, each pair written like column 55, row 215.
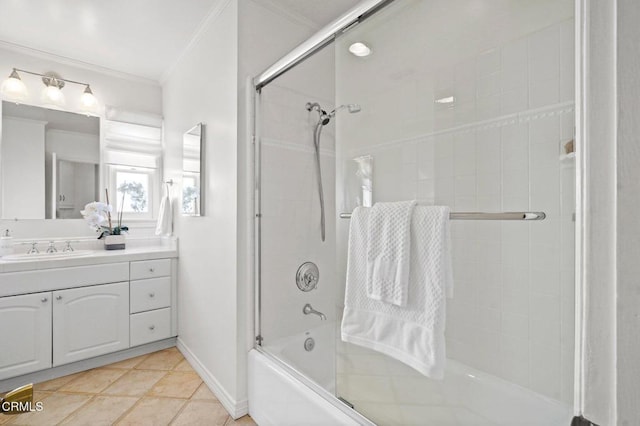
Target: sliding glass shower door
column 470, row 104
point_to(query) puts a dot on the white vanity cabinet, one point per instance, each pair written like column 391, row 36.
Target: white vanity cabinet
column 26, row 335
column 88, row 309
column 90, row 321
column 150, row 301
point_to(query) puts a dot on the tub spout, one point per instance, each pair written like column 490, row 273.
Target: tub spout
column 309, row 310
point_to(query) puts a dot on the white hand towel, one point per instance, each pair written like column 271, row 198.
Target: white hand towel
column 388, row 251
column 413, row 334
column 164, row 226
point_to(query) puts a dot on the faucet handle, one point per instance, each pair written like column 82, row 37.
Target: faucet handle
column 52, row 247
column 34, row 248
column 67, row 247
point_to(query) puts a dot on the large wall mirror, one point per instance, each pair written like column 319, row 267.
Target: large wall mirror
column 193, row 171
column 49, row 162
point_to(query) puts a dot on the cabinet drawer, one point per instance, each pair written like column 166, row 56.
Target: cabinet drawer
column 150, row 326
column 150, row 269
column 150, row 294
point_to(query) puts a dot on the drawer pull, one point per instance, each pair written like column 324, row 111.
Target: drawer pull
column 152, row 327
column 44, row 299
column 151, row 270
column 58, row 297
column 152, row 295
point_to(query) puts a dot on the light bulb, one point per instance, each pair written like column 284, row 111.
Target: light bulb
column 88, row 102
column 53, row 96
column 13, row 88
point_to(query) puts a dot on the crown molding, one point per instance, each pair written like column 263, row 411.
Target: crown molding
column 64, row 60
column 294, row 17
column 210, row 17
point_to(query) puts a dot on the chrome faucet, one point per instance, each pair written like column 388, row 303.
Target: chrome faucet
column 52, row 247
column 34, row 248
column 309, row 310
column 68, row 247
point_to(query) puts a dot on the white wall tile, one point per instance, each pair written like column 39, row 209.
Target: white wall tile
column 544, row 55
column 488, row 63
column 545, row 370
column 546, row 92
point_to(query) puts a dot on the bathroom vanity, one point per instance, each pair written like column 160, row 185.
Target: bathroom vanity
column 102, row 306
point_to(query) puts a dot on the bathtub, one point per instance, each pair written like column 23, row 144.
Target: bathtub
column 289, row 385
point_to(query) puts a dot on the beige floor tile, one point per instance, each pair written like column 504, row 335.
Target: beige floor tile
column 101, row 410
column 55, row 384
column 4, row 419
column 204, row 393
column 242, row 421
column 128, row 364
column 93, row 381
column 184, row 366
column 177, row 384
column 134, row 383
column 152, row 412
column 202, row 413
column 55, row 408
column 163, row 360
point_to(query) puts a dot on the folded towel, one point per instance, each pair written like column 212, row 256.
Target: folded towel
column 413, row 334
column 164, row 226
column 388, row 251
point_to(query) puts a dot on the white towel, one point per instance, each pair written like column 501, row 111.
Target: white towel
column 413, row 334
column 164, row 226
column 388, row 251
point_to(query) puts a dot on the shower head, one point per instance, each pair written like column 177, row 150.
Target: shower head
column 353, row 108
column 325, row 118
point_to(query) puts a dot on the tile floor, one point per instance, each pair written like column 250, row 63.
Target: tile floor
column 155, row 389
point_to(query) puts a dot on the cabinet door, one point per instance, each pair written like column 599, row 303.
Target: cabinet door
column 90, row 321
column 26, row 336
column 66, row 183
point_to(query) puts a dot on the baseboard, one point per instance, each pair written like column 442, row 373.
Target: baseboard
column 85, row 364
column 235, row 408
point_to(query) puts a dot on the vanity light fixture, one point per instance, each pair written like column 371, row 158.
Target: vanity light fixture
column 13, row 89
column 360, row 49
column 52, row 95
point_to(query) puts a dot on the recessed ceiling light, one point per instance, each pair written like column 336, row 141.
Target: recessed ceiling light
column 360, row 49
column 447, row 100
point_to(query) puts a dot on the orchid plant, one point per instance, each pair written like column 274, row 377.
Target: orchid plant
column 98, row 216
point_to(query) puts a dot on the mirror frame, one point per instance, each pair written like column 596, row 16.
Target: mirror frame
column 199, row 127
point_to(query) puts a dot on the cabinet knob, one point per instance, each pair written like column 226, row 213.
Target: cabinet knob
column 151, row 269
column 152, row 327
column 58, row 297
column 44, row 299
column 152, row 295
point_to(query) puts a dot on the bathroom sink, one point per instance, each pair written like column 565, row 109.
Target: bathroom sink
column 48, row 256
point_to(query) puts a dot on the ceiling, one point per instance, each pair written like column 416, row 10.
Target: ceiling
column 143, row 38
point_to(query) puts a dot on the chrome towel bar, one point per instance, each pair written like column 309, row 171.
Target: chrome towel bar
column 485, row 216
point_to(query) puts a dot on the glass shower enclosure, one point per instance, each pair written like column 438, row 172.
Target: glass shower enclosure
column 463, row 103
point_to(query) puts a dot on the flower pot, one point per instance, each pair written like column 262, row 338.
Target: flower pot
column 114, row 242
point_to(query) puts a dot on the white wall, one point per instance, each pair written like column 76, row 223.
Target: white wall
column 203, row 88
column 128, row 93
column 628, row 317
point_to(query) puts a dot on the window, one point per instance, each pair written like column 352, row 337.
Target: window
column 191, row 193
column 133, row 189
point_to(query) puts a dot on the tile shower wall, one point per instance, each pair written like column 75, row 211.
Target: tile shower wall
column 499, row 148
column 290, row 224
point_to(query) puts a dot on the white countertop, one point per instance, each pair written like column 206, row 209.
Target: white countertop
column 97, row 257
